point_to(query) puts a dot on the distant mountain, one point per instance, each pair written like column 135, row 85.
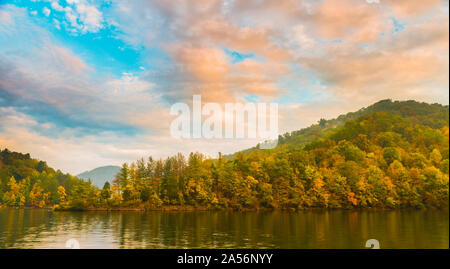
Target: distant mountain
column 100, row 175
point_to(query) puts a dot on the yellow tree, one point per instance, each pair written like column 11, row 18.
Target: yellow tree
column 37, row 197
column 62, row 194
column 14, row 196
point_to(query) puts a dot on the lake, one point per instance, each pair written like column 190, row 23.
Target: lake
column 336, row 229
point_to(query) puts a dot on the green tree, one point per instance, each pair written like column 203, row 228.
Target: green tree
column 124, row 176
column 106, row 191
column 391, row 154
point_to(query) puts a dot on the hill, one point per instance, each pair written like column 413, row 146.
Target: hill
column 432, row 115
column 25, row 181
column 100, row 175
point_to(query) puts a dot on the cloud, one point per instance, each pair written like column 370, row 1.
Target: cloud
column 46, row 11
column 82, row 16
column 63, row 58
column 414, row 63
column 412, row 7
column 55, row 5
column 54, row 85
column 198, row 35
column 366, row 62
column 337, row 19
column 5, row 17
column 303, row 38
column 90, row 16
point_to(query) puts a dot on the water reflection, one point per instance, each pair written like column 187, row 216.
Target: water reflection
column 310, row 229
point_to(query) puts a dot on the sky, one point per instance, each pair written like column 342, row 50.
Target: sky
column 90, row 83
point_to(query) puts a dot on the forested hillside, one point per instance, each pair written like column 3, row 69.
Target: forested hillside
column 29, row 182
column 432, row 115
column 389, row 155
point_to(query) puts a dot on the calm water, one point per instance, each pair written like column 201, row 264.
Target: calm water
column 310, row 229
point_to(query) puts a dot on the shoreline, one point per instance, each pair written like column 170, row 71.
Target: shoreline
column 206, row 209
